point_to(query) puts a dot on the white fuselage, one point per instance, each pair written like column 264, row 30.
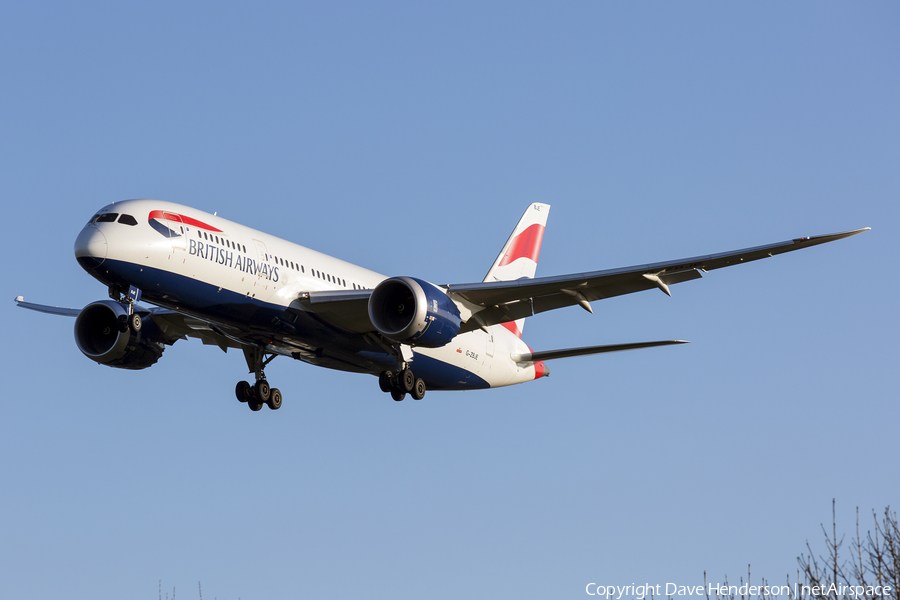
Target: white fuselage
column 243, row 281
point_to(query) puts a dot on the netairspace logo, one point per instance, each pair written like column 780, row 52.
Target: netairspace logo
column 640, row 592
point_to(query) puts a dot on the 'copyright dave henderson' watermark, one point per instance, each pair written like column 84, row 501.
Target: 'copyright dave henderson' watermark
column 617, row 592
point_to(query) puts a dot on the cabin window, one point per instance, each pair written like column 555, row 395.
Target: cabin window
column 127, row 220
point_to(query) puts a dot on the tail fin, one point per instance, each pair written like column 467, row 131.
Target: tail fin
column 519, row 256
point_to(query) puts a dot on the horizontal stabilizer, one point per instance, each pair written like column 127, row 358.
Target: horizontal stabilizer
column 567, row 352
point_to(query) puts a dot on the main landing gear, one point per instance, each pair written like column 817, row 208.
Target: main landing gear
column 402, row 383
column 260, row 393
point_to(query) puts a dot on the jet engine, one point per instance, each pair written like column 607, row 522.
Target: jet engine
column 414, row 312
column 100, row 338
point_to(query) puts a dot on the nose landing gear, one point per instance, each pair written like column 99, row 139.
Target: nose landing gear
column 132, row 320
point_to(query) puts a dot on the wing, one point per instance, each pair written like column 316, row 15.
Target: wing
column 172, row 324
column 504, row 301
column 50, row 310
column 348, row 309
column 176, row 325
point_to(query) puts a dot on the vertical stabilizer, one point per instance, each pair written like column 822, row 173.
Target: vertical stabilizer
column 519, row 256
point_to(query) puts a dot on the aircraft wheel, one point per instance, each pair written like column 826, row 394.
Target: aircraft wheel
column 242, row 391
column 122, row 323
column 254, row 405
column 407, row 380
column 274, row 399
column 263, row 391
column 135, row 323
column 384, row 381
column 397, row 395
column 418, row 391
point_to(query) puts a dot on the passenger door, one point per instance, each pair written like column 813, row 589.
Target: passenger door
column 176, row 226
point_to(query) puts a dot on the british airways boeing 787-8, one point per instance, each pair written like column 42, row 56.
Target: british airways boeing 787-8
column 235, row 287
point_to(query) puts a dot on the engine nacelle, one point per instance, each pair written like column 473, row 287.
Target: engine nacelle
column 414, row 312
column 98, row 337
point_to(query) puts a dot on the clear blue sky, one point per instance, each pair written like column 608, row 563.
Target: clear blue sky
column 409, row 138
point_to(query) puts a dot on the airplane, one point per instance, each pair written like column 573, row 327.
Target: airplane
column 235, row 287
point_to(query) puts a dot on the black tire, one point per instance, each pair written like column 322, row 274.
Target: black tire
column 255, row 406
column 263, row 391
column 242, row 391
column 407, row 380
column 134, row 322
column 384, row 381
column 397, row 395
column 419, row 390
column 122, row 323
column 274, row 399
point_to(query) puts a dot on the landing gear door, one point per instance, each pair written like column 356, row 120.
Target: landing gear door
column 177, row 234
column 262, row 258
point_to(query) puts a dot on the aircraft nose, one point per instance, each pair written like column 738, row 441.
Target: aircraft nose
column 90, row 248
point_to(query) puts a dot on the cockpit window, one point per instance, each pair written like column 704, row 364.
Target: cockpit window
column 127, row 220
column 106, row 218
